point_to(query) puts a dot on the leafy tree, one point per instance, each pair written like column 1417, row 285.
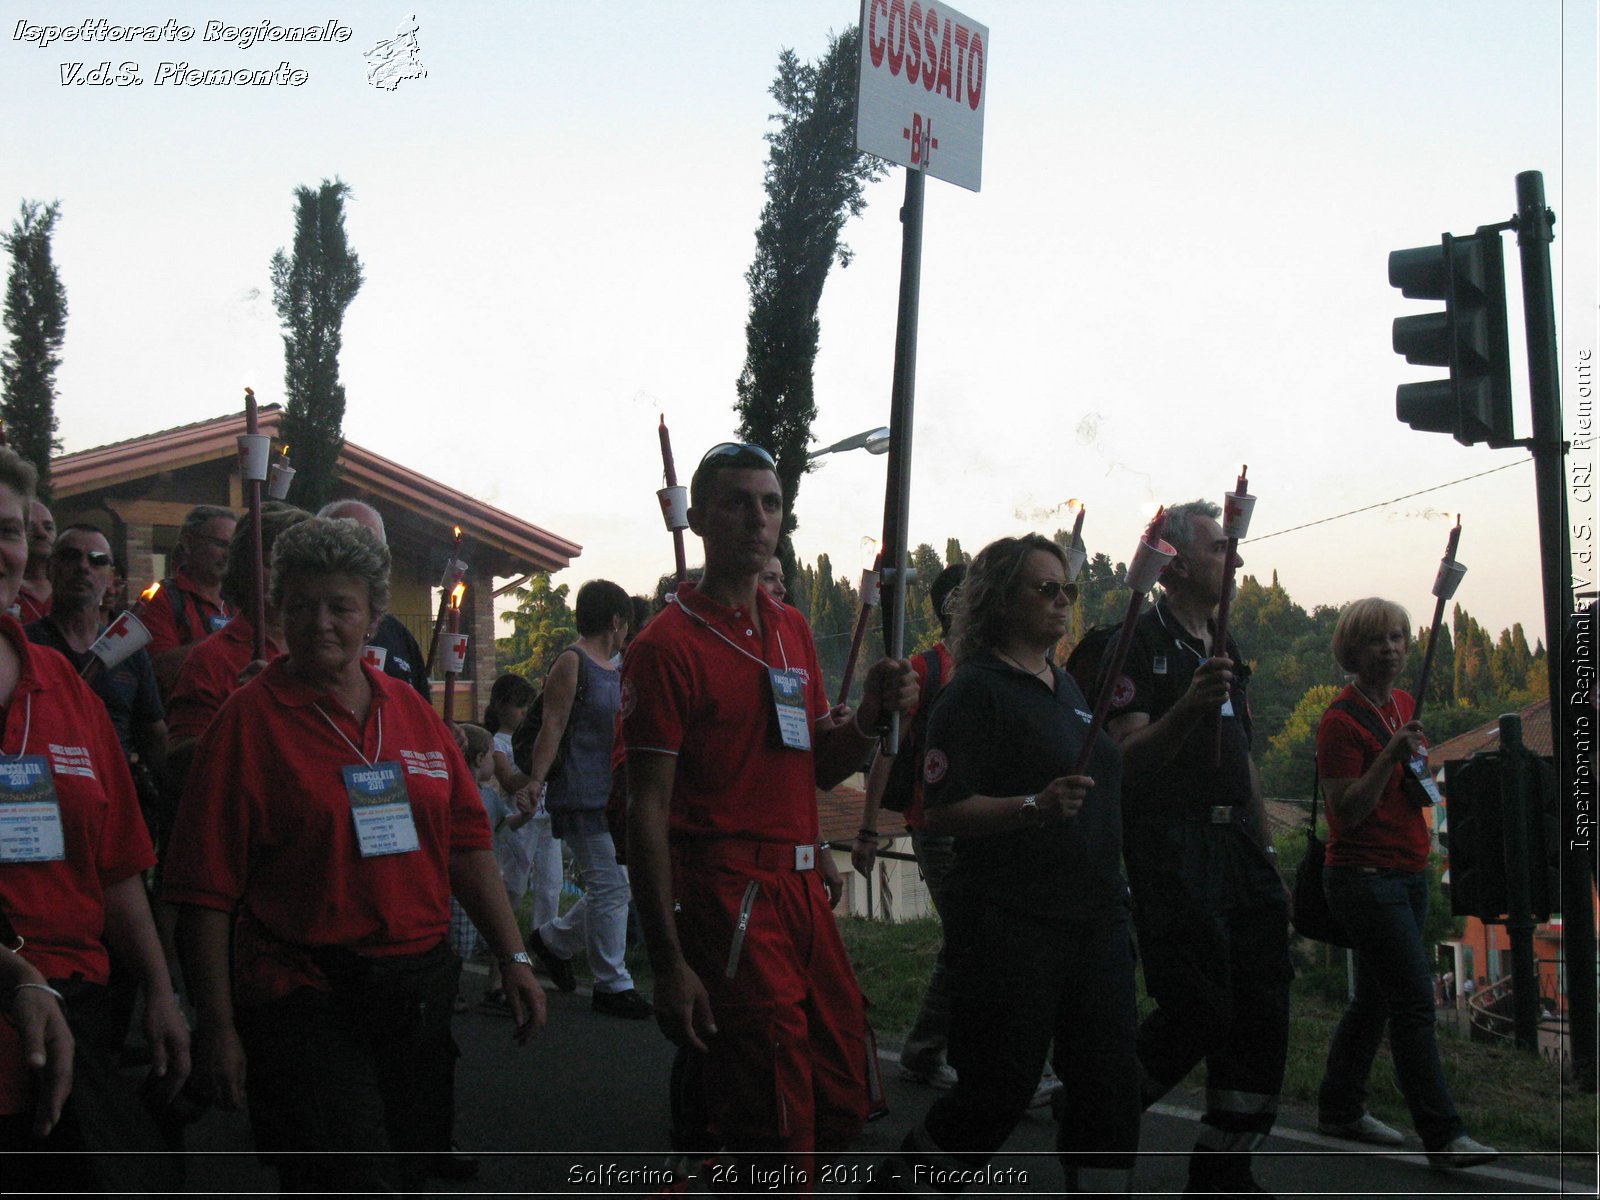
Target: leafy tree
column 311, row 289
column 541, row 627
column 1286, row 766
column 1441, row 676
column 36, row 319
column 815, row 181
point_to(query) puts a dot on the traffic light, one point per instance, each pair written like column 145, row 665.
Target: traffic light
column 1476, row 845
column 1476, row 841
column 1468, row 337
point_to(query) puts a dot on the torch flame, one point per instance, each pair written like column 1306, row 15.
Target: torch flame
column 150, row 592
column 456, row 593
column 284, row 450
column 458, row 533
column 1074, row 505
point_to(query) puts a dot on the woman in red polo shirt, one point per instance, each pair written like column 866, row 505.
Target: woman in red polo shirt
column 1371, row 757
column 72, row 850
column 327, row 820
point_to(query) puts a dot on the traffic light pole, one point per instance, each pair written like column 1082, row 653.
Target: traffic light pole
column 1534, row 224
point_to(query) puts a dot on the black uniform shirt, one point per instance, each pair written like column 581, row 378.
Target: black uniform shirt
column 1161, row 663
column 998, row 731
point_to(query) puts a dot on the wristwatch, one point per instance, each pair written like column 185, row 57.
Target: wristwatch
column 521, row 956
column 1032, row 814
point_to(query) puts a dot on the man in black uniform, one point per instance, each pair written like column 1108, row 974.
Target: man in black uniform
column 1209, row 905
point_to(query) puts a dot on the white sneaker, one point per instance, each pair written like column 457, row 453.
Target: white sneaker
column 1462, row 1152
column 1365, row 1129
column 1048, row 1087
column 942, row 1076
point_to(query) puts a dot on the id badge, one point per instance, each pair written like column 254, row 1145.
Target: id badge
column 217, row 621
column 1419, row 768
column 1227, row 707
column 30, row 814
column 789, row 701
column 382, row 809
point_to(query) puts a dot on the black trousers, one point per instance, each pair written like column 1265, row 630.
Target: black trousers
column 1213, row 928
column 355, row 1075
column 1021, row 984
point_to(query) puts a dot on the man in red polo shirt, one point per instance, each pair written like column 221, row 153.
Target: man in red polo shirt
column 723, row 706
column 189, row 607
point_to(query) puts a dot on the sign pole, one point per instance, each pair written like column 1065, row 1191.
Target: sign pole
column 897, row 499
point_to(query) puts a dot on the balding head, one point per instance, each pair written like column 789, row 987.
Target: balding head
column 362, row 514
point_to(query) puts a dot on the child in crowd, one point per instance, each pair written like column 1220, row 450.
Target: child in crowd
column 465, row 939
column 529, row 856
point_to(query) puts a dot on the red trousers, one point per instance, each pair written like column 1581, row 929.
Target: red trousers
column 788, row 1068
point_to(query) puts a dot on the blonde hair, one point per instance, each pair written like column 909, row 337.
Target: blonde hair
column 1363, row 619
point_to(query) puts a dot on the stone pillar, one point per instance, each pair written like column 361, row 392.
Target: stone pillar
column 479, row 623
column 139, row 556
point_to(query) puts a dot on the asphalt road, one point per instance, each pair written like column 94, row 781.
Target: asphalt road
column 596, row 1087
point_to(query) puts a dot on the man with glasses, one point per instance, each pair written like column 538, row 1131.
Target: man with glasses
column 1210, row 908
column 723, row 715
column 189, row 607
column 80, row 571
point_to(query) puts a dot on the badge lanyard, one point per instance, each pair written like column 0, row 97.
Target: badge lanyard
column 379, row 803
column 1227, row 705
column 788, row 692
column 706, row 625
column 376, row 754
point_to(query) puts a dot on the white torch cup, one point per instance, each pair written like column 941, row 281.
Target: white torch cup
column 121, row 638
column 1075, row 560
column 1448, row 579
column 279, row 476
column 674, row 507
column 1236, row 510
column 375, row 656
column 871, row 592
column 455, row 653
column 1148, row 563
column 453, row 571
column 254, row 450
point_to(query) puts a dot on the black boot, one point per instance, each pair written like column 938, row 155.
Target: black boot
column 1215, row 1172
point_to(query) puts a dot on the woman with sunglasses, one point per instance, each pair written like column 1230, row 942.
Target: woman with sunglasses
column 1037, row 925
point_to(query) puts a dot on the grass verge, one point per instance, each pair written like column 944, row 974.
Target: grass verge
column 1507, row 1098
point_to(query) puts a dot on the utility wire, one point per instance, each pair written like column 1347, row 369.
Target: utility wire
column 1386, row 503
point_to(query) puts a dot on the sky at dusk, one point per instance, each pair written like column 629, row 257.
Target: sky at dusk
column 1176, row 264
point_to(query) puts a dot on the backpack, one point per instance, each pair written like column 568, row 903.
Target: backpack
column 1084, row 663
column 526, row 734
column 900, row 789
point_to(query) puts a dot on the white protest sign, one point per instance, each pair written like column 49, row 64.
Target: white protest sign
column 921, row 91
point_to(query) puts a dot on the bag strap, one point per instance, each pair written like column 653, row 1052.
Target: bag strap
column 1365, row 718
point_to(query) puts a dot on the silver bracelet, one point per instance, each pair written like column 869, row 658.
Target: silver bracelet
column 42, row 987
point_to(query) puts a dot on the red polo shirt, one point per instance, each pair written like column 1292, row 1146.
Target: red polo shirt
column 59, row 907
column 201, row 616
column 695, row 685
column 30, row 608
column 209, row 675
column 265, row 823
column 1395, row 834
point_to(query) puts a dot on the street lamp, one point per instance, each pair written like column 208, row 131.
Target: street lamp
column 873, row 441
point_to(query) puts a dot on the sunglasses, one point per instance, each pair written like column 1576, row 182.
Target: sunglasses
column 71, row 554
column 1049, row 589
column 736, row 454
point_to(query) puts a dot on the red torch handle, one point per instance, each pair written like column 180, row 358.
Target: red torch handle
column 258, row 593
column 862, row 619
column 1108, row 681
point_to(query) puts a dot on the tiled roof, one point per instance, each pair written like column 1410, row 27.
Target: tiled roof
column 1535, row 736
column 205, row 441
column 840, row 813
